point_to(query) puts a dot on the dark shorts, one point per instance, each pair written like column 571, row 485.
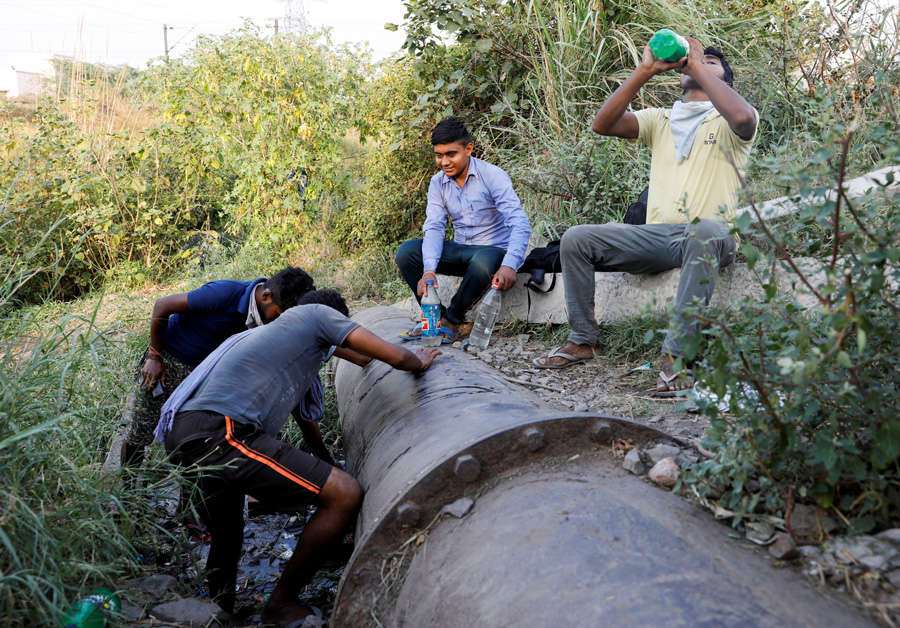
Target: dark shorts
column 241, row 458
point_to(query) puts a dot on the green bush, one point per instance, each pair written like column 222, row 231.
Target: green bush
column 804, row 400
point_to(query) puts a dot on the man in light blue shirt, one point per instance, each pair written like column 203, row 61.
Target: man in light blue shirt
column 490, row 227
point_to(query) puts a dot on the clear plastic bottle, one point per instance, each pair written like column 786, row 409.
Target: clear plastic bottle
column 92, row 611
column 431, row 316
column 485, row 317
column 668, row 45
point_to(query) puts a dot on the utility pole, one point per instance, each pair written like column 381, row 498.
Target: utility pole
column 276, row 25
column 166, row 40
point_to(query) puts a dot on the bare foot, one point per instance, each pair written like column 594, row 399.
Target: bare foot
column 284, row 613
column 567, row 355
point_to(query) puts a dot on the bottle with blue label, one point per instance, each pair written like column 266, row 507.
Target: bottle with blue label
column 431, row 316
column 92, row 611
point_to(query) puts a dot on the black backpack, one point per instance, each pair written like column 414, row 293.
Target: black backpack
column 540, row 261
column 545, row 259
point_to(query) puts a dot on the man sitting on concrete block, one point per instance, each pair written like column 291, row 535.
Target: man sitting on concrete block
column 490, row 228
column 222, row 423
column 693, row 195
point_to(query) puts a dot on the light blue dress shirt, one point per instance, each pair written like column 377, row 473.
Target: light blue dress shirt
column 485, row 211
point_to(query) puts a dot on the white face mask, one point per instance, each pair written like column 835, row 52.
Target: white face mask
column 253, row 317
column 684, row 121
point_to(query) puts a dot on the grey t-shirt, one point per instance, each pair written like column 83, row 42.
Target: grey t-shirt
column 262, row 378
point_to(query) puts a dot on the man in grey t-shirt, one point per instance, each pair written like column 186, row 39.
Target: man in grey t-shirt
column 230, row 425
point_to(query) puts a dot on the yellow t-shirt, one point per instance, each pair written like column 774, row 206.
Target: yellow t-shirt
column 705, row 184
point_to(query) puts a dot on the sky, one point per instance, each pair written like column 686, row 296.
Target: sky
column 116, row 32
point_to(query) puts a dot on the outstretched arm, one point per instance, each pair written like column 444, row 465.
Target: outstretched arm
column 736, row 111
column 312, row 436
column 365, row 342
column 613, row 118
column 159, row 319
column 352, row 356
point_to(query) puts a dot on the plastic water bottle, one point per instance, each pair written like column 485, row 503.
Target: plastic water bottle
column 485, row 317
column 92, row 611
column 668, row 45
column 431, row 316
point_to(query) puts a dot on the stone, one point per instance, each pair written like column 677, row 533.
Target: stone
column 664, row 473
column 760, row 532
column 875, row 561
column 805, row 521
column 810, row 552
column 131, row 612
column 894, row 578
column 521, row 339
column 784, row 547
column 686, row 458
column 633, row 462
column 892, row 535
column 459, row 508
column 581, row 407
column 156, row 585
column 662, row 451
column 189, row 612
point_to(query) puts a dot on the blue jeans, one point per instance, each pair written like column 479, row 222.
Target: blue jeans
column 476, row 265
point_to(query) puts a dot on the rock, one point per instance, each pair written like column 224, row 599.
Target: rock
column 686, row 458
column 875, row 561
column 849, row 552
column 810, row 552
column 459, row 508
column 892, row 535
column 804, row 524
column 521, row 339
column 662, row 451
column 784, row 547
column 633, row 462
column 189, row 612
column 156, row 585
column 760, row 532
column 131, row 612
column 581, row 407
column 665, row 473
column 894, row 578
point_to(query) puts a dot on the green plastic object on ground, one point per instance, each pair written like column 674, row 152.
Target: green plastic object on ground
column 92, row 611
column 668, row 45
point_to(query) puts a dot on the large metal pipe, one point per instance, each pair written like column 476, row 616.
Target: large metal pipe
column 485, row 506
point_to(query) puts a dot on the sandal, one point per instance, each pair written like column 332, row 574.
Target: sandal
column 447, row 334
column 683, row 381
column 559, row 353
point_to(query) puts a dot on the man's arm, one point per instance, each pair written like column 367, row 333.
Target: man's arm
column 435, row 229
column 365, row 342
column 312, row 436
column 613, row 118
column 736, row 111
column 352, row 356
column 510, row 207
column 159, row 319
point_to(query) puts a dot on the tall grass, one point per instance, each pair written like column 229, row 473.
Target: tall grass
column 59, row 399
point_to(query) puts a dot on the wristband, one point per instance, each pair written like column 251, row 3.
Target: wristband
column 154, row 352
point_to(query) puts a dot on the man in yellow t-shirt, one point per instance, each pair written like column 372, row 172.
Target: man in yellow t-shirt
column 692, row 198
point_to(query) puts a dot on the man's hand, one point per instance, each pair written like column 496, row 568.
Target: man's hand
column 428, row 274
column 426, row 357
column 152, row 370
column 694, row 58
column 651, row 64
column 506, row 277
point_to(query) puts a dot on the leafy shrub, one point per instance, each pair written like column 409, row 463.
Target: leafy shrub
column 804, row 404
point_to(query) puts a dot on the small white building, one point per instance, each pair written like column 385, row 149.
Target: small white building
column 26, row 75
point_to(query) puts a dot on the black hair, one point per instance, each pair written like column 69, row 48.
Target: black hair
column 331, row 298
column 288, row 286
column 450, row 130
column 729, row 73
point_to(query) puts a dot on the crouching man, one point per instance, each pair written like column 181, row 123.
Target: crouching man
column 223, row 422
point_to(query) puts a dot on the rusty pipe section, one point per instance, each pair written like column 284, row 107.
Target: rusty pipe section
column 485, row 506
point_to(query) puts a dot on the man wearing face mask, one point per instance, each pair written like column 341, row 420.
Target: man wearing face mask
column 692, row 198
column 187, row 327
